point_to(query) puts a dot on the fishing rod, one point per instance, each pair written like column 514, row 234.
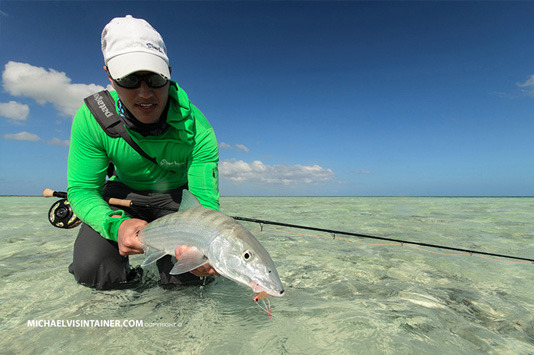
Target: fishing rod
column 334, row 232
column 61, row 214
column 129, row 203
column 112, row 201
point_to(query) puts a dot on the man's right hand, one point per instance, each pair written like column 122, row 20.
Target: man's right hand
column 127, row 237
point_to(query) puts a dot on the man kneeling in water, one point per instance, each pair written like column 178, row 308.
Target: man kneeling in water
column 164, row 124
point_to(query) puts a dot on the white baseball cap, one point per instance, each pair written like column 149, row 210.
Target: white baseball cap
column 130, row 44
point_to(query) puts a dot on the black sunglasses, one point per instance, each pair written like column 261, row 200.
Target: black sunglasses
column 133, row 81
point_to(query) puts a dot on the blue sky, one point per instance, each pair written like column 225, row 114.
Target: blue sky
column 306, row 98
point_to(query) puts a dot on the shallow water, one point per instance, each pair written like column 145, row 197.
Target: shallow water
column 343, row 296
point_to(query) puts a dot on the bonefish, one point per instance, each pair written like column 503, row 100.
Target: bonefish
column 213, row 238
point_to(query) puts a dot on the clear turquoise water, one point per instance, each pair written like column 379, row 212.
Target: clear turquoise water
column 345, row 297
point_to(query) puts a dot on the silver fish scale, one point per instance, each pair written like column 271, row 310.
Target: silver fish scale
column 195, row 226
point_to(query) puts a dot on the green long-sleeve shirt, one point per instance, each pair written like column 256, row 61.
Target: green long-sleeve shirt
column 188, row 148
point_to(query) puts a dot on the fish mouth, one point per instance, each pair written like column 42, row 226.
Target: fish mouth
column 257, row 288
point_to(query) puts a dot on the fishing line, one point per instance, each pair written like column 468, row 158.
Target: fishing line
column 129, row 203
column 402, row 242
column 392, row 244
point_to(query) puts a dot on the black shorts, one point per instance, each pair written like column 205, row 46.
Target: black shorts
column 96, row 260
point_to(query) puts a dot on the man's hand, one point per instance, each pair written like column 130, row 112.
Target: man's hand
column 127, row 238
column 201, row 271
column 130, row 244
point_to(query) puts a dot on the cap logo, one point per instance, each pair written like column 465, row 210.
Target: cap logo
column 153, row 46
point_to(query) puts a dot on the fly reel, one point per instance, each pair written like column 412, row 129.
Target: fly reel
column 62, row 216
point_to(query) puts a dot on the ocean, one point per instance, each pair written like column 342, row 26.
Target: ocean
column 344, row 295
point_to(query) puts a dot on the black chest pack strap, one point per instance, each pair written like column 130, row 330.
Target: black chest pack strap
column 102, row 106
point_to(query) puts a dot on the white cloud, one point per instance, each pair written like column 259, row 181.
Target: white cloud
column 14, row 111
column 58, row 142
column 23, row 136
column 528, row 86
column 242, row 147
column 362, row 172
column 21, row 79
column 257, row 172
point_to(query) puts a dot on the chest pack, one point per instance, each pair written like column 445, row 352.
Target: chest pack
column 102, row 106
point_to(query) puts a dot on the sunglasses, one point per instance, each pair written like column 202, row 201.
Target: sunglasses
column 133, row 81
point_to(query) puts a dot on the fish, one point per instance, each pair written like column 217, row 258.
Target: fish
column 213, row 238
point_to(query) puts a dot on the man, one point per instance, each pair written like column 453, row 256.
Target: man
column 162, row 121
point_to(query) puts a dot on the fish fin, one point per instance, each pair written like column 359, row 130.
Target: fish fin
column 188, row 261
column 155, row 256
column 188, row 201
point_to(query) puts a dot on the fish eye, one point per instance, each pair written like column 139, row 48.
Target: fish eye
column 247, row 255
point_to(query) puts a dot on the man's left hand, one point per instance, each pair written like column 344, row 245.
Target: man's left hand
column 201, row 271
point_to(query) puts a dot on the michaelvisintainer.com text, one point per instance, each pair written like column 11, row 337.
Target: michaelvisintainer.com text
column 84, row 323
